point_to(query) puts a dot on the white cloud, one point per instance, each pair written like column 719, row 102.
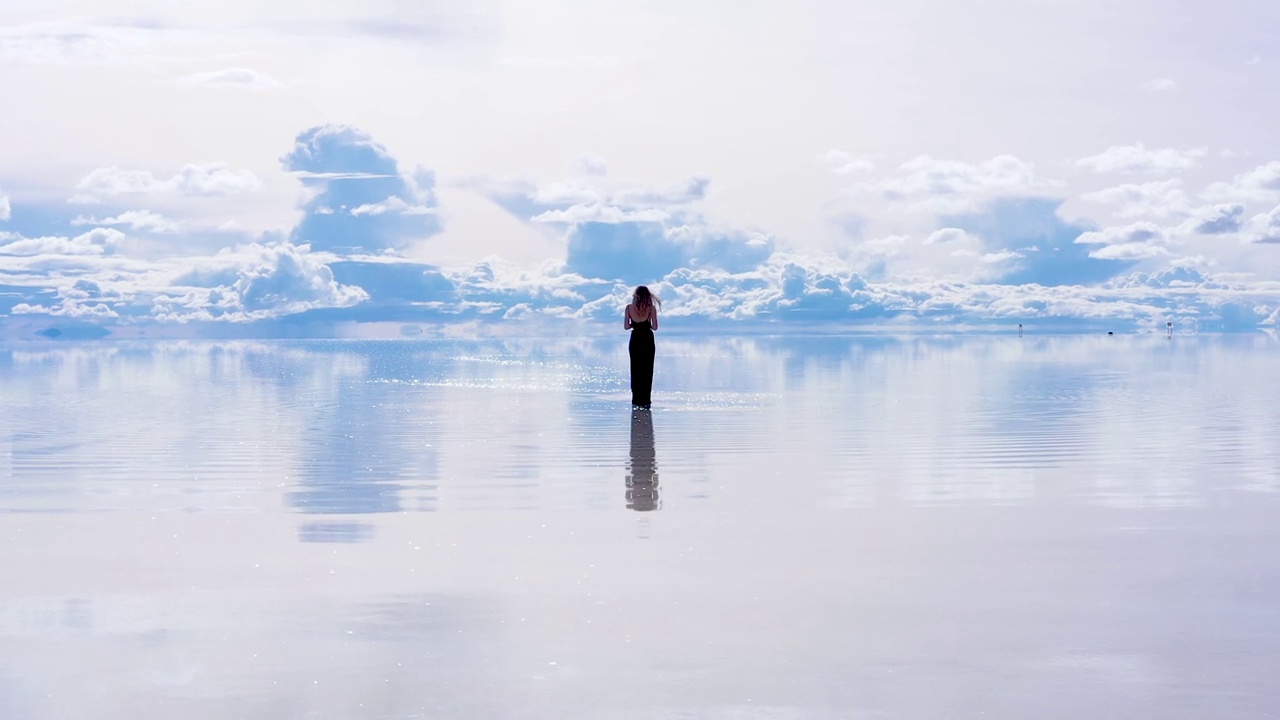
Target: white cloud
column 948, row 235
column 1265, row 228
column 933, row 185
column 1139, row 232
column 589, row 164
column 243, row 78
column 1214, row 220
column 6, row 211
column 993, row 258
column 691, row 190
column 881, row 248
column 135, row 219
column 927, row 175
column 97, row 241
column 1129, row 251
column 1137, row 158
column 74, row 43
column 289, row 279
column 209, row 179
column 393, row 204
column 568, row 192
column 1161, row 85
column 1259, row 184
column 1161, row 198
column 844, row 163
column 601, row 214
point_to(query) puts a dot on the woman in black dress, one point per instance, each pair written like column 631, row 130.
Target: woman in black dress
column 641, row 318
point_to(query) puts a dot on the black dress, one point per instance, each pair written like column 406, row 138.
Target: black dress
column 641, row 349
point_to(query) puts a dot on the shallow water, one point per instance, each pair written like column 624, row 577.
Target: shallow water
column 801, row 528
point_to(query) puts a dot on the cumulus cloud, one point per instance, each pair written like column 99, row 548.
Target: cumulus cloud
column 638, row 252
column 1129, row 251
column 1139, row 232
column 1137, row 158
column 925, row 174
column 1265, row 228
column 1161, row 198
column 1259, row 184
column 135, row 219
column 947, row 235
column 1216, row 220
column 290, row 280
column 357, row 198
column 392, row 204
column 209, row 179
column 98, row 241
column 241, row 78
column 1047, row 245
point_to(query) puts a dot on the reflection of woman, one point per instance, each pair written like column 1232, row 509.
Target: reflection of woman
column 642, row 468
column 641, row 318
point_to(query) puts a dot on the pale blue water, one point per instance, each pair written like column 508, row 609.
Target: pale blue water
column 803, row 527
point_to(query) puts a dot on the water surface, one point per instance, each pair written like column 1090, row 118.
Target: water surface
column 802, row 527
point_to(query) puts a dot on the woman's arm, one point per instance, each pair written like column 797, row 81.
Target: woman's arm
column 653, row 316
column 626, row 318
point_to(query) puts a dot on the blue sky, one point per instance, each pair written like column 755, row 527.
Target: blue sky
column 223, row 168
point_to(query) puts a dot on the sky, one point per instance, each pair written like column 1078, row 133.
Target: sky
column 309, row 168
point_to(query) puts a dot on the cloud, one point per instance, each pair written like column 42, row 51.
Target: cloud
column 212, row 179
column 1031, row 227
column 600, row 214
column 593, row 165
column 934, row 185
column 1160, row 198
column 98, row 241
column 135, row 219
column 242, row 78
column 1259, row 184
column 944, row 177
column 1265, row 228
column 1137, row 241
column 1129, row 251
column 357, row 198
column 75, row 43
column 6, row 211
column 948, row 235
column 999, row 257
column 1138, row 232
column 844, row 163
column 290, row 280
column 1216, row 220
column 1137, row 158
column 392, row 204
column 640, row 252
column 691, row 190
column 1160, row 85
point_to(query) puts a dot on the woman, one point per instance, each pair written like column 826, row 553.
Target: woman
column 641, row 318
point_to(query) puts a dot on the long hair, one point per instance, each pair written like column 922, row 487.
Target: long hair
column 642, row 298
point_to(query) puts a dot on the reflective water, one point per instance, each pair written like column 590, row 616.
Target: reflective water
column 802, row 528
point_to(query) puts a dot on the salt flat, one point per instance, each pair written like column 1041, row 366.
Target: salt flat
column 801, row 528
